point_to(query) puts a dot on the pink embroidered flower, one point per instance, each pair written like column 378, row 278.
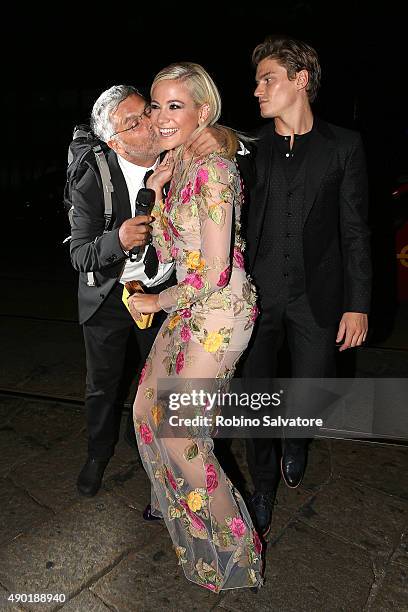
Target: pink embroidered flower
column 210, row 586
column 194, row 280
column 185, row 313
column 174, row 252
column 257, row 542
column 185, row 333
column 238, row 527
column 166, row 236
column 224, row 277
column 202, row 178
column 167, row 203
column 211, row 479
column 254, row 313
column 159, row 255
column 221, row 164
column 186, row 193
column 143, row 373
column 146, row 433
column 238, row 258
column 179, row 362
column 171, row 480
column 196, row 522
column 173, row 229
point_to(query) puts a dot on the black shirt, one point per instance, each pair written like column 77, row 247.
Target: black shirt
column 292, row 158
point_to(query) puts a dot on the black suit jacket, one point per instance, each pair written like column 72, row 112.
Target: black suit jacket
column 91, row 249
column 336, row 245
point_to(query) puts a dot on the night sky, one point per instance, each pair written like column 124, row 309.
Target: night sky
column 56, row 62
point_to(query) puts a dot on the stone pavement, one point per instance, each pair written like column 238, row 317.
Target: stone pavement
column 339, row 542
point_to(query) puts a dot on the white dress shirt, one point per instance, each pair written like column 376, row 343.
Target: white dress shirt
column 134, row 270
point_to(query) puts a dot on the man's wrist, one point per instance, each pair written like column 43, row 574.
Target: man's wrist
column 125, row 251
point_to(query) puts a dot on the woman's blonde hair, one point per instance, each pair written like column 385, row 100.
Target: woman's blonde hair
column 202, row 88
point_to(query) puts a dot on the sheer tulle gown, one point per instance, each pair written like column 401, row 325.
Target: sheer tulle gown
column 211, row 312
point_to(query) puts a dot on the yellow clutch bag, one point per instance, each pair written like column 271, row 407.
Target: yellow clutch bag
column 129, row 289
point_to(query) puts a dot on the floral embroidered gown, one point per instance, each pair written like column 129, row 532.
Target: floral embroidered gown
column 211, row 315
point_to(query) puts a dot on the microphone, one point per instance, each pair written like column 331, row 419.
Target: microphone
column 143, row 205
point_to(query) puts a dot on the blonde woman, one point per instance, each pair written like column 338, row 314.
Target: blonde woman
column 211, row 312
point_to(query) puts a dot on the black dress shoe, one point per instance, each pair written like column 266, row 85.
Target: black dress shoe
column 90, row 478
column 261, row 506
column 148, row 516
column 293, row 463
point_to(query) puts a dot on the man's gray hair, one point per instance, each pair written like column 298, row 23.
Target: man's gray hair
column 106, row 104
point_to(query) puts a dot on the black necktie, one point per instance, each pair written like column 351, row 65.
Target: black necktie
column 150, row 261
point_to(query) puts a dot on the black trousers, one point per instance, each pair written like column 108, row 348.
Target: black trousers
column 106, row 336
column 312, row 355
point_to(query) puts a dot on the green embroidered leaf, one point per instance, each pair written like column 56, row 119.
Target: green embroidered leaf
column 226, row 195
column 181, row 554
column 201, row 534
column 206, row 571
column 216, row 213
column 246, row 291
column 252, row 576
column 202, row 491
column 204, row 513
column 190, row 452
column 212, row 173
column 225, row 539
column 173, row 513
column 159, row 475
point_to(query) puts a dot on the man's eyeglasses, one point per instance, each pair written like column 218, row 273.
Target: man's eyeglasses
column 136, row 121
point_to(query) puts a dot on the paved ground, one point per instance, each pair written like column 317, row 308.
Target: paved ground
column 339, row 542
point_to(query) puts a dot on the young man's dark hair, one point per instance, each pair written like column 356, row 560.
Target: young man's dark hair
column 294, row 55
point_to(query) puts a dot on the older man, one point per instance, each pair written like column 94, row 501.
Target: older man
column 121, row 119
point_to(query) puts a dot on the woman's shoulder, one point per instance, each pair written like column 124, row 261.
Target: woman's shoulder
column 216, row 163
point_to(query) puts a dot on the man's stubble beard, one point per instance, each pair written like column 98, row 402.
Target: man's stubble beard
column 142, row 153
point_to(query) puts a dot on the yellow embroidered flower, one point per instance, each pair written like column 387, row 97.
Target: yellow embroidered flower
column 157, row 415
column 194, row 501
column 175, row 320
column 194, row 261
column 212, row 342
column 149, row 393
column 180, row 551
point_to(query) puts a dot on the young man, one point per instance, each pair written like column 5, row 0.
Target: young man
column 121, row 118
column 308, row 245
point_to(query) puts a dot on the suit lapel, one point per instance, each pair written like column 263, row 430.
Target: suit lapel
column 321, row 149
column 121, row 190
column 260, row 191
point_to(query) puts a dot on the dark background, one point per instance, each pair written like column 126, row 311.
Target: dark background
column 55, row 63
